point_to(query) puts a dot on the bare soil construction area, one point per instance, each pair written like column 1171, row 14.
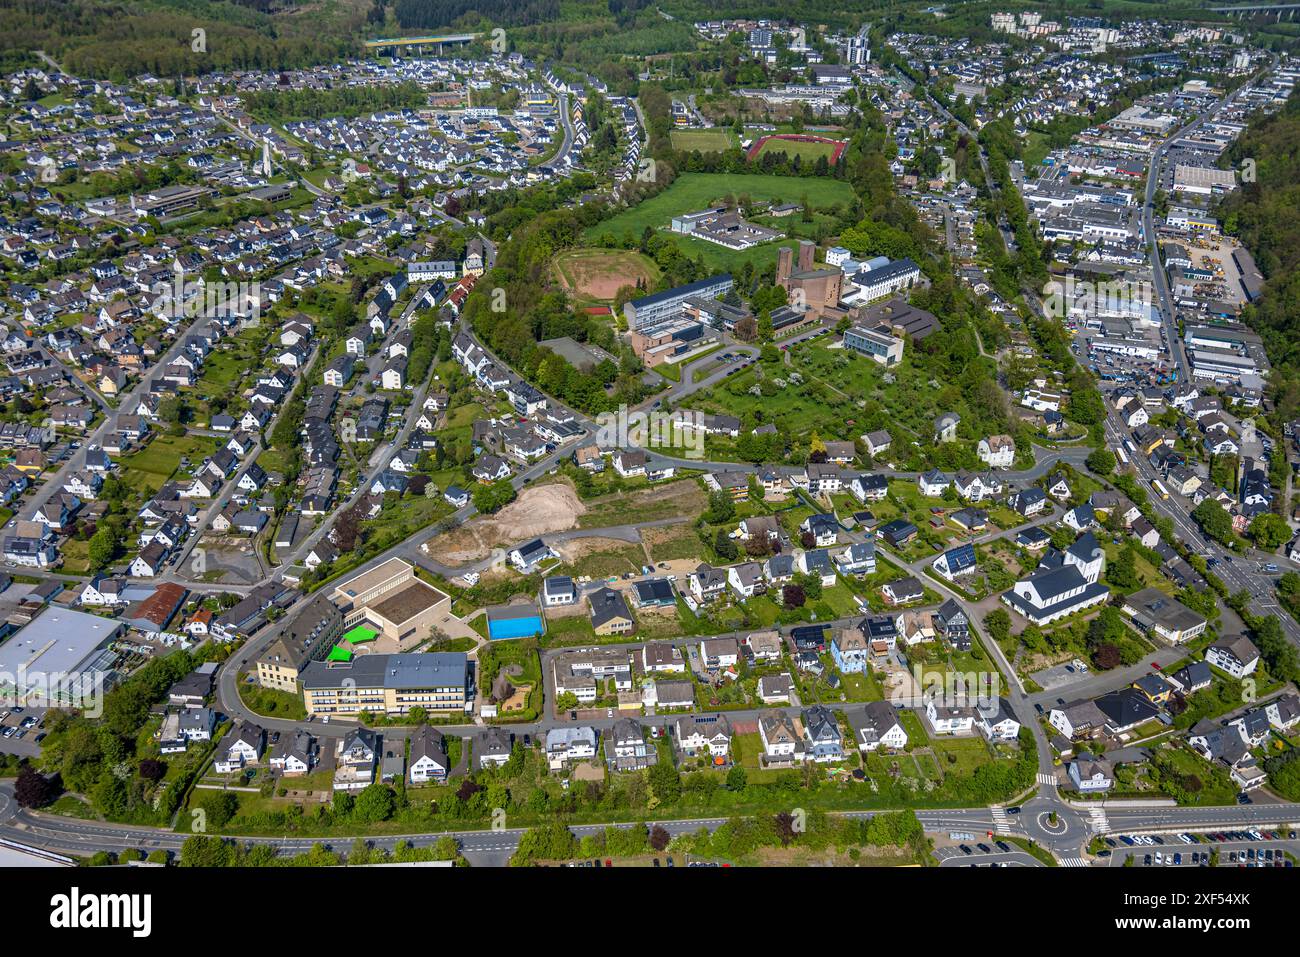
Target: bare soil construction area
column 540, row 509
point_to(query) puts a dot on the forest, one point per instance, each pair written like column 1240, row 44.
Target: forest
column 1265, row 214
column 430, row 14
column 281, row 105
column 110, row 39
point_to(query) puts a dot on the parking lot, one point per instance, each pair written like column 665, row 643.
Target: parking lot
column 1058, row 676
column 978, row 850
column 1252, row 848
column 1116, row 369
column 21, row 729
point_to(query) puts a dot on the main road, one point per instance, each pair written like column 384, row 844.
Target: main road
column 1154, row 176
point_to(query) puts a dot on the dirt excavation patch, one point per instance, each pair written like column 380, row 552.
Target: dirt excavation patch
column 601, row 273
column 539, row 510
column 674, row 543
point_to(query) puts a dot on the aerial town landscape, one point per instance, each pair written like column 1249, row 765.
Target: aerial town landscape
column 608, row 434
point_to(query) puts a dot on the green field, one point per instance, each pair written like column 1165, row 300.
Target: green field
column 706, row 141
column 694, row 191
column 160, row 459
column 808, row 152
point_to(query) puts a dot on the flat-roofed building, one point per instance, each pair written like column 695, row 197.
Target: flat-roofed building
column 1221, row 365
column 59, row 657
column 387, row 684
column 1203, row 180
column 368, row 586
column 390, row 599
column 661, row 306
column 876, row 343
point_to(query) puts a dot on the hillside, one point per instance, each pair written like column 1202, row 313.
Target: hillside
column 1266, row 214
column 122, row 39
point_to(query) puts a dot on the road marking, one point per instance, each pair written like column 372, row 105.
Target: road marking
column 1000, row 823
column 1099, row 822
column 1048, row 779
column 1073, row 862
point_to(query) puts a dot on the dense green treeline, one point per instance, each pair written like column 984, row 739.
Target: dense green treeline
column 281, row 105
column 428, row 14
column 119, row 41
column 1265, row 214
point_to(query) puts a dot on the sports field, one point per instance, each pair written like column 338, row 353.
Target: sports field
column 599, row 273
column 706, row 141
column 695, row 191
column 807, row 147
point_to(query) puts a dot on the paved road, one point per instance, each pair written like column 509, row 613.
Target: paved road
column 83, row 838
column 127, row 403
column 1046, row 460
column 1236, row 569
column 1159, row 277
column 955, row 857
column 177, row 568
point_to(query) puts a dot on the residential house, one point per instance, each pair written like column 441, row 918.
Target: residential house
column 822, row 738
column 879, row 727
column 1236, row 655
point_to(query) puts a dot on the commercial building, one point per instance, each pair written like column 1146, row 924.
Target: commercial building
column 387, row 684
column 1203, row 180
column 1221, row 365
column 1142, row 120
column 60, row 657
column 1182, row 217
column 153, row 613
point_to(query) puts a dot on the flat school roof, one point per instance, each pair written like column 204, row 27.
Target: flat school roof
column 408, row 601
column 376, row 576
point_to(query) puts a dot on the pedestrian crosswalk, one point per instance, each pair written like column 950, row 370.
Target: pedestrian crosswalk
column 1000, row 823
column 1073, row 862
column 1048, row 779
column 1100, row 824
